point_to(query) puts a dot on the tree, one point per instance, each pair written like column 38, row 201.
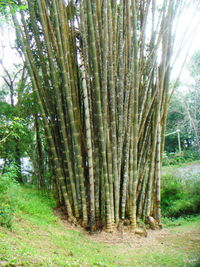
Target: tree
column 184, row 111
column 19, row 101
column 12, row 127
column 176, row 121
column 20, row 127
column 103, row 96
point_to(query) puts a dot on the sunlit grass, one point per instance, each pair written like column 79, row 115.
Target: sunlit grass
column 35, row 206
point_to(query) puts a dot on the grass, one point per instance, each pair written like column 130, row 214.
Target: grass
column 39, row 238
column 181, row 221
column 35, row 206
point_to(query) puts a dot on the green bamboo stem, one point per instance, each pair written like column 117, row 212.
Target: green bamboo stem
column 75, row 134
column 112, row 106
column 135, row 116
column 37, row 86
column 61, row 115
column 99, row 113
column 89, row 149
column 158, row 173
column 103, row 98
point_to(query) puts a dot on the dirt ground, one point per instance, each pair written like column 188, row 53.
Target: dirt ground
column 188, row 170
column 185, row 172
column 153, row 238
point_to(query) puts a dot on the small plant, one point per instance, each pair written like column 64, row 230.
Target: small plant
column 6, row 214
column 8, row 187
column 38, row 205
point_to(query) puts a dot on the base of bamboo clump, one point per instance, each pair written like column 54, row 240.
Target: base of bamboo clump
column 153, row 223
column 72, row 220
column 141, row 232
column 122, row 226
column 109, row 228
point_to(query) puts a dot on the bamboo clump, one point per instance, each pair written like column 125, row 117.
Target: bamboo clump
column 101, row 70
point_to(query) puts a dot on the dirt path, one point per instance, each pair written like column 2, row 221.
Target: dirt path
column 189, row 170
column 186, row 171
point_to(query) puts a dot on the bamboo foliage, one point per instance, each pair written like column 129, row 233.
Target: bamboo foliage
column 103, row 92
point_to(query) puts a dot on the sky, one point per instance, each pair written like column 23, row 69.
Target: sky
column 7, row 41
column 190, row 19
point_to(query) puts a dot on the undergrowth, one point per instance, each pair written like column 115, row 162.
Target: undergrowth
column 186, row 156
column 38, row 206
column 8, row 189
column 183, row 220
column 179, row 197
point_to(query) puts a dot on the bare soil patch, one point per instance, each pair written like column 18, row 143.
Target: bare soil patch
column 185, row 172
column 190, row 169
column 117, row 237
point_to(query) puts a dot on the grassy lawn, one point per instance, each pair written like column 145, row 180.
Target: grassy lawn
column 39, row 238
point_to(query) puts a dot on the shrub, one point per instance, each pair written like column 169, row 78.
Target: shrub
column 180, row 196
column 177, row 158
column 8, row 186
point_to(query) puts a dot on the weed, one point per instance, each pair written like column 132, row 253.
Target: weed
column 6, row 214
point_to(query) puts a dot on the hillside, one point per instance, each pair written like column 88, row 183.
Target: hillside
column 39, row 238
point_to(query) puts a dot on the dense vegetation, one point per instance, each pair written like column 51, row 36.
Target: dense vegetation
column 180, row 196
column 13, row 200
column 177, row 158
column 103, row 96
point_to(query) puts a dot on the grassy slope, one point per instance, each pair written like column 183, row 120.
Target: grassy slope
column 38, row 238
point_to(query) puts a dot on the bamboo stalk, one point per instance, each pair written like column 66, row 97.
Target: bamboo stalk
column 103, row 95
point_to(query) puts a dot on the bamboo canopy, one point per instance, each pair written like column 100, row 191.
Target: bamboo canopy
column 101, row 70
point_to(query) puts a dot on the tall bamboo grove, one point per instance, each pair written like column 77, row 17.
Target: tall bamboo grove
column 101, row 69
